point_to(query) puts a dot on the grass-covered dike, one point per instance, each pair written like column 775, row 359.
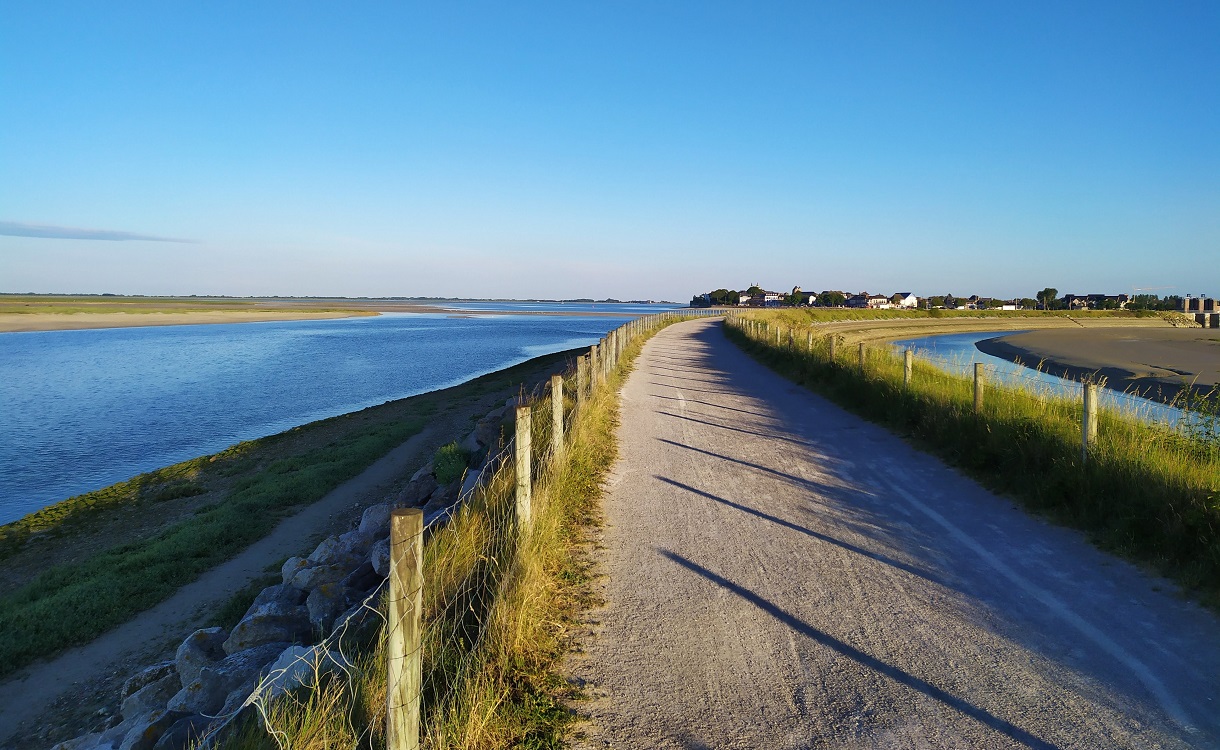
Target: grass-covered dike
column 1147, row 492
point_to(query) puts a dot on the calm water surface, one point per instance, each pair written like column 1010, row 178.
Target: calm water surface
column 84, row 409
column 957, row 353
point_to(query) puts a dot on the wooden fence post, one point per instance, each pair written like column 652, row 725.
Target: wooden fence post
column 907, row 357
column 404, row 664
column 1088, row 431
column 861, row 355
column 556, row 417
column 594, row 368
column 978, row 387
column 582, row 369
column 523, row 468
column 809, row 342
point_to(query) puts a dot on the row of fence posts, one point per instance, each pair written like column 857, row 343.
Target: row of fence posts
column 1088, row 435
column 404, row 677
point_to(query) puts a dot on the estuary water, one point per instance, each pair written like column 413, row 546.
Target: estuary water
column 84, row 409
column 956, row 352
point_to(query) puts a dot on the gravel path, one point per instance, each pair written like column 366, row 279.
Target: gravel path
column 781, row 574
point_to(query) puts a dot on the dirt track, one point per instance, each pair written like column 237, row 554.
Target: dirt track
column 780, row 574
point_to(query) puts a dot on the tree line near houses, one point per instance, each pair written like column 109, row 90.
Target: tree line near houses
column 1047, row 299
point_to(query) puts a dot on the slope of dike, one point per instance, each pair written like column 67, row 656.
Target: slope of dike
column 1158, row 363
column 48, row 693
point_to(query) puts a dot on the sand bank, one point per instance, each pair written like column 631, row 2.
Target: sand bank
column 1156, row 362
column 13, row 322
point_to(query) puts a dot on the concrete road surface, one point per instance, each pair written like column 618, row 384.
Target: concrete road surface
column 781, row 574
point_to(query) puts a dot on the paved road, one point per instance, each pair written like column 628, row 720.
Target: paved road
column 781, row 574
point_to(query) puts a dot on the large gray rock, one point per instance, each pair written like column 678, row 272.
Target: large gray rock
column 424, row 471
column 470, row 444
column 83, row 742
column 274, row 622
column 151, row 697
column 208, row 693
column 415, row 493
column 147, row 729
column 473, row 479
column 379, row 557
column 376, row 520
column 280, row 594
column 111, row 738
column 442, row 498
column 292, row 566
column 309, row 578
column 185, row 733
column 354, row 545
column 326, row 552
column 363, row 579
column 327, row 602
column 200, row 649
column 236, row 699
column 146, row 676
column 360, row 624
column 488, row 431
column 300, row 666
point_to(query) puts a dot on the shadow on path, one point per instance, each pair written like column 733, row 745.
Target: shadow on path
column 926, row 575
column 1006, row 728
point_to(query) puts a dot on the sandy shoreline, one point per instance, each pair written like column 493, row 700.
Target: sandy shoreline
column 1157, row 363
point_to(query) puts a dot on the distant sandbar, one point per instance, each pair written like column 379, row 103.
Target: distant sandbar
column 20, row 313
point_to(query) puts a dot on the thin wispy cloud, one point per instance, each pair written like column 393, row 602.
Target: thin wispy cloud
column 53, row 232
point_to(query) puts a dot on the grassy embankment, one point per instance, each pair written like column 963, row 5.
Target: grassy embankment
column 107, row 555
column 497, row 614
column 1147, row 492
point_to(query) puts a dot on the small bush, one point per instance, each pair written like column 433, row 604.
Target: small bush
column 449, row 463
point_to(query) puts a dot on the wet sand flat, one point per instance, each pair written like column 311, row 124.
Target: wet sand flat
column 1157, row 362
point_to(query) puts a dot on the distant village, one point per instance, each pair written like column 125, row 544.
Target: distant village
column 1047, row 299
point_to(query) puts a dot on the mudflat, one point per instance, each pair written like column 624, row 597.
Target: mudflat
column 1157, row 362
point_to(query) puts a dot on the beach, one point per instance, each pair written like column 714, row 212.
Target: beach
column 1155, row 362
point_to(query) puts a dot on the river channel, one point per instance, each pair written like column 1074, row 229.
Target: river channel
column 957, row 353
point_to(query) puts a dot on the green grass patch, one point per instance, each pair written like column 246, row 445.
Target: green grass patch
column 1147, row 492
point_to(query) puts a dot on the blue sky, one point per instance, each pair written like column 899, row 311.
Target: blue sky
column 642, row 150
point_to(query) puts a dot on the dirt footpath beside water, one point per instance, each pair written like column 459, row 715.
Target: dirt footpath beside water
column 1155, row 361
